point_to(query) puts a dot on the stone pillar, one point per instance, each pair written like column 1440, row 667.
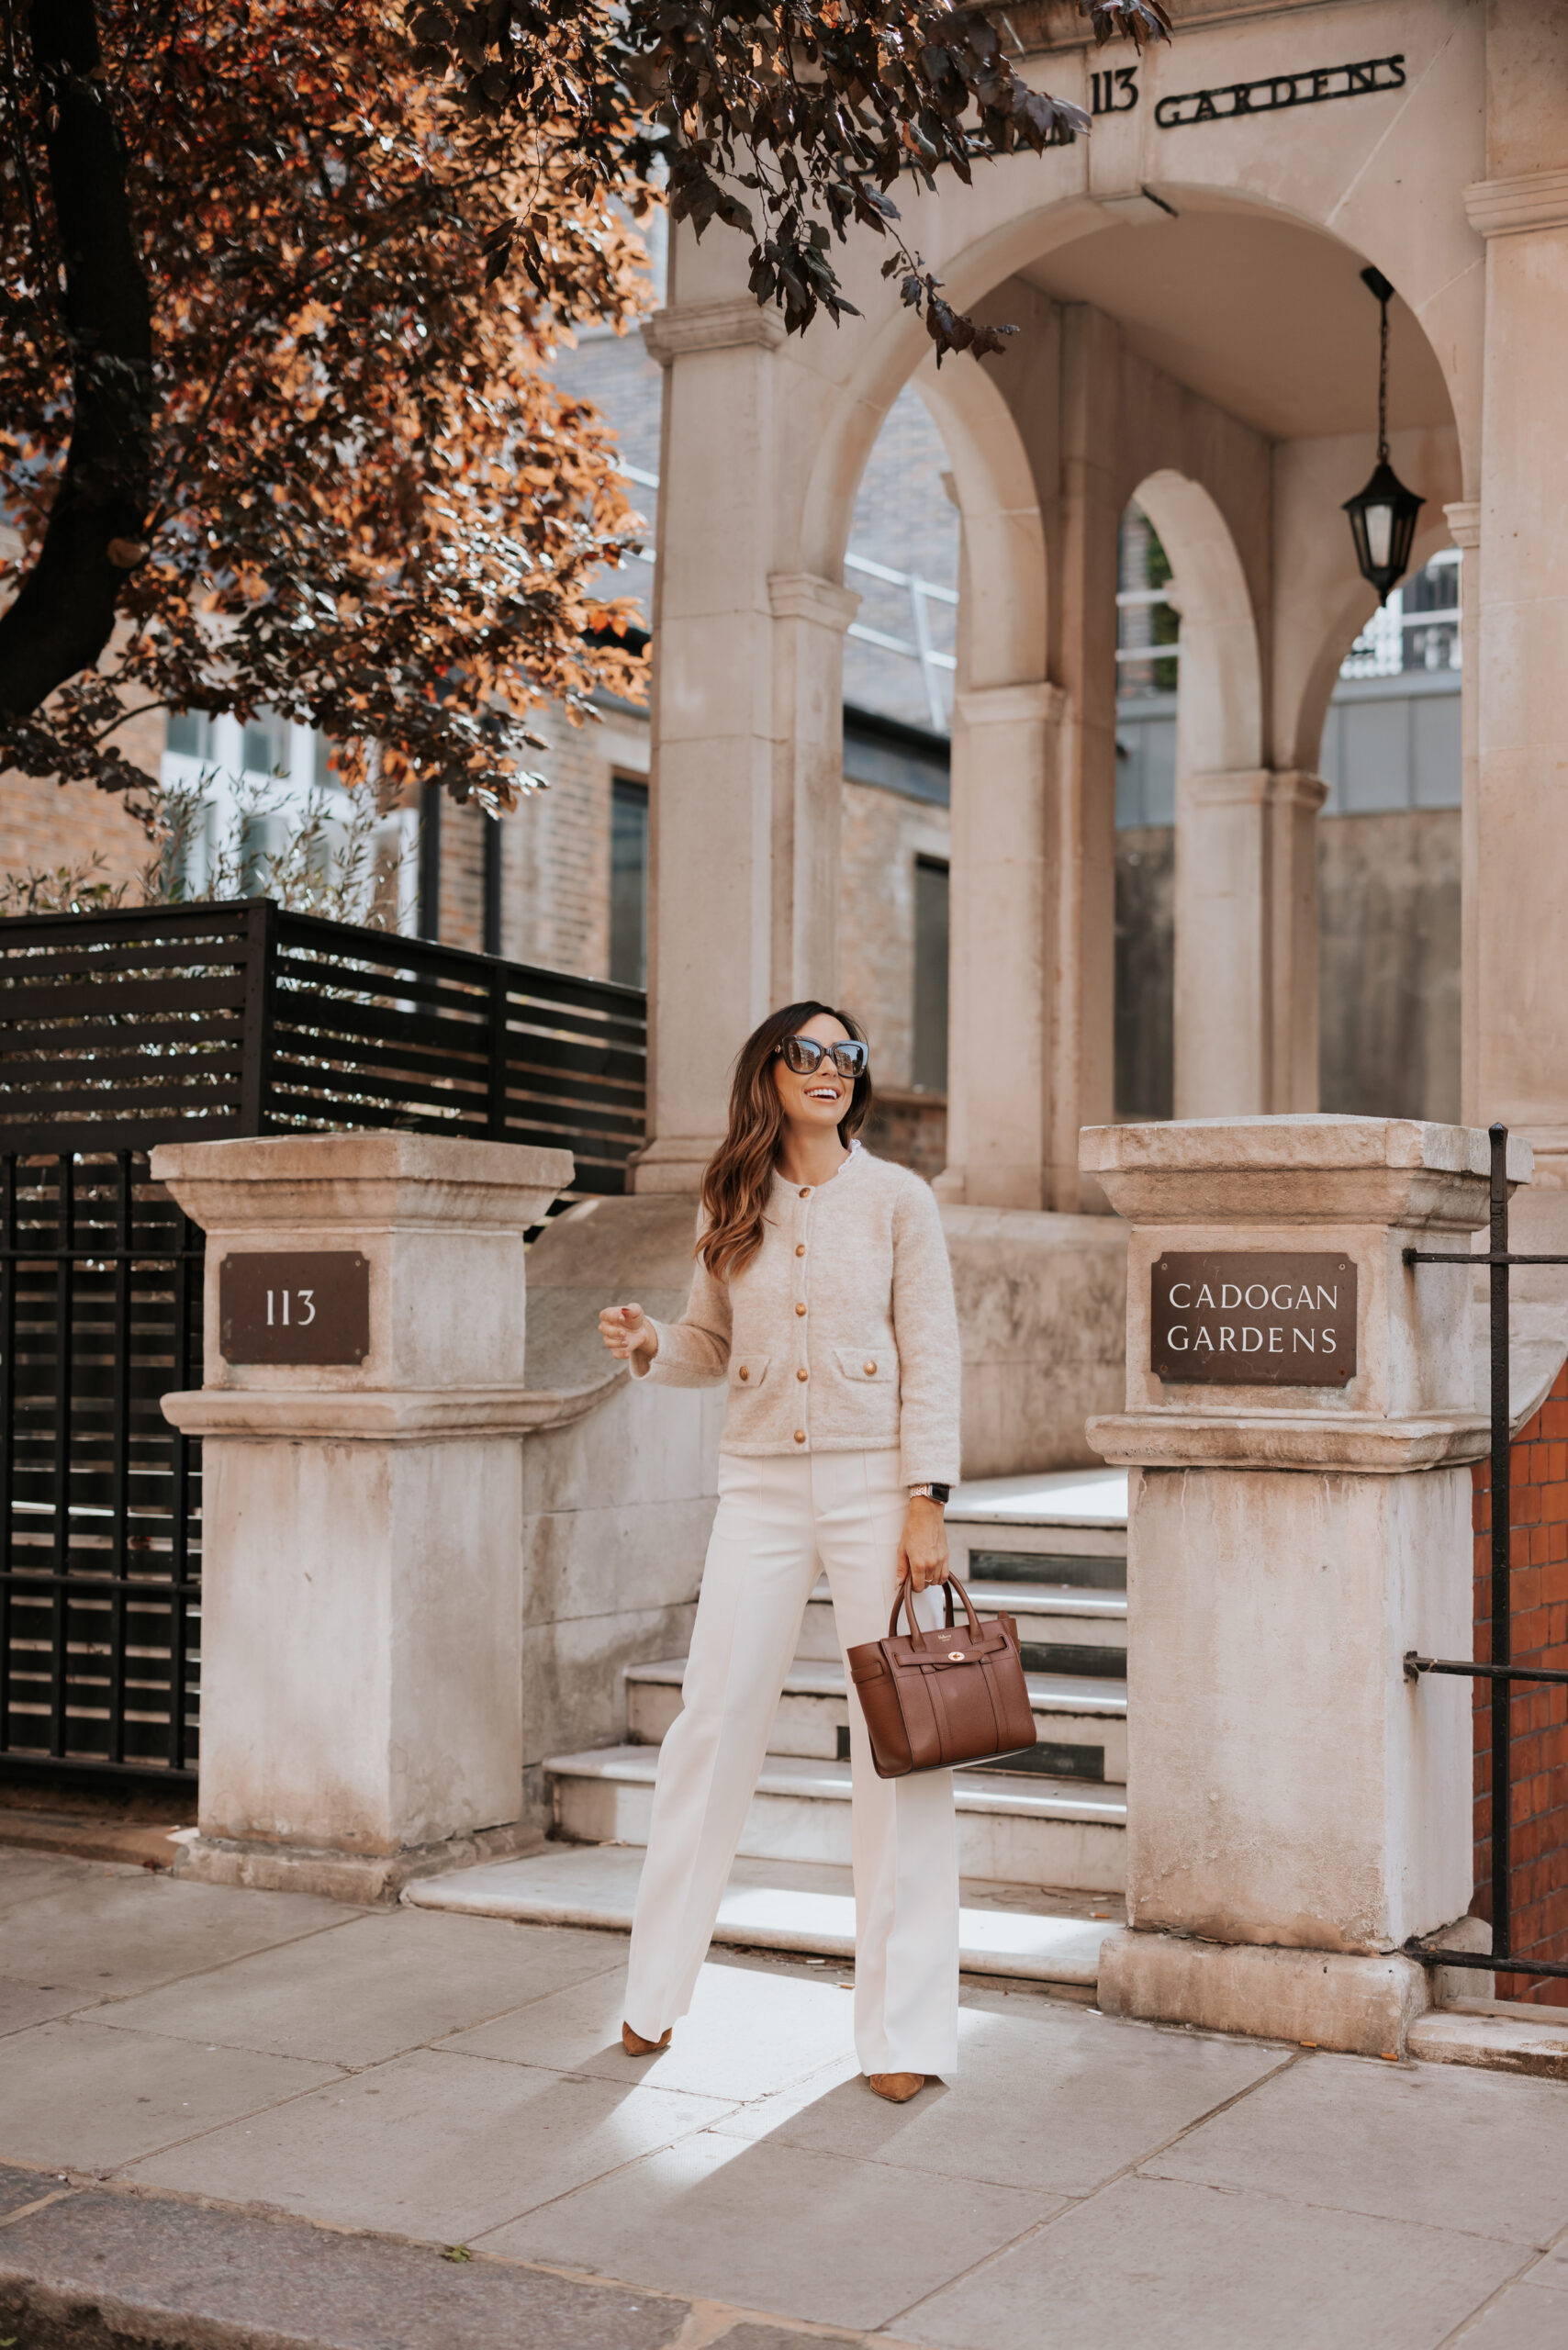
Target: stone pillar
column 362, row 1502
column 1006, row 763
column 748, row 762
column 1082, row 836
column 1464, row 521
column 1246, row 1014
column 1294, row 800
column 1519, row 1067
column 1298, row 1808
column 811, row 616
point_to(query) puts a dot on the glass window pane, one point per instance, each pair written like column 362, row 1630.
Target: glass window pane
column 629, row 883
column 930, row 975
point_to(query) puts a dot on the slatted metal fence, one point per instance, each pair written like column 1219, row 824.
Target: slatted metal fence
column 123, row 1030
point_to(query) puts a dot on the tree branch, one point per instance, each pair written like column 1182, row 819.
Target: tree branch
column 64, row 614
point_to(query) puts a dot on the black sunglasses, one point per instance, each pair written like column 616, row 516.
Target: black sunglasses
column 805, row 1057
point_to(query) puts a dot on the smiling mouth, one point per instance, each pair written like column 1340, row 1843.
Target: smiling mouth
column 822, row 1094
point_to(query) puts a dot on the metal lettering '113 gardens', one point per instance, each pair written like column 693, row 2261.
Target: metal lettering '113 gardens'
column 1270, row 93
column 1253, row 1318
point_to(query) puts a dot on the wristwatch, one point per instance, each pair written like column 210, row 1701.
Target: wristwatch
column 932, row 1492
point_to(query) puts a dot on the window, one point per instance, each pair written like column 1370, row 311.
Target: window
column 629, row 882
column 930, row 975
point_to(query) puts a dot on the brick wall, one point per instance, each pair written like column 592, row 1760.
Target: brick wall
column 45, row 824
column 1539, row 1812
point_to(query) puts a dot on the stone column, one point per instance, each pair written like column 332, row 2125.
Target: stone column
column 1294, row 800
column 748, row 762
column 811, row 616
column 1246, row 1014
column 1519, row 1067
column 362, row 1502
column 1464, row 521
column 1082, row 836
column 1006, row 771
column 1298, row 1808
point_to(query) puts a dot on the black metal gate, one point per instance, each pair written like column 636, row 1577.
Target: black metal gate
column 1500, row 1670
column 100, row 1516
column 121, row 1031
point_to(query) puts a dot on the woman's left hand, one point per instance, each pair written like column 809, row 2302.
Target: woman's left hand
column 922, row 1548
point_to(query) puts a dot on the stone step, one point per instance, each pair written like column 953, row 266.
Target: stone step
column 1059, row 1630
column 1067, row 1527
column 1012, row 1829
column 1082, row 1721
column 791, row 1906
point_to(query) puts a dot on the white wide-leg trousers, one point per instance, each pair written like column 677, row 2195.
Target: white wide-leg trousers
column 779, row 1522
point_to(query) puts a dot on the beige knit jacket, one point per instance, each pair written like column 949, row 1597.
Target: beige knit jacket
column 840, row 1335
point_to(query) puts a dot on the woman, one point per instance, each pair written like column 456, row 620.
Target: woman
column 822, row 1295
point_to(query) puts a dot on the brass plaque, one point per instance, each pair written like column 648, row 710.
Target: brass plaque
column 1253, row 1318
column 304, row 1308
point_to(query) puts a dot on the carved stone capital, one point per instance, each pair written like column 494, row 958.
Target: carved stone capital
column 803, row 596
column 730, row 325
column 1463, row 519
column 1524, row 200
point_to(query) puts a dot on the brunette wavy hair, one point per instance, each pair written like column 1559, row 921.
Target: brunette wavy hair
column 735, row 1181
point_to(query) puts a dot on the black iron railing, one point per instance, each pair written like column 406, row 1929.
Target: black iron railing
column 100, row 1520
column 1500, row 1670
column 124, row 1030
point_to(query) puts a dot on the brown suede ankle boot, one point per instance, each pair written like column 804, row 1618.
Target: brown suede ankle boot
column 635, row 2045
column 897, row 2087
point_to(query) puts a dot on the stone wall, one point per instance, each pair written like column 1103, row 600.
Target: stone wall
column 1389, row 961
column 1539, row 1830
column 1388, row 964
column 884, row 834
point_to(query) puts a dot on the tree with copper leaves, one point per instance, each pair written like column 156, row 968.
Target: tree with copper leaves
column 278, row 284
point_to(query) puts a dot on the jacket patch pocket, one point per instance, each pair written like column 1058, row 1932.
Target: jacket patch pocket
column 872, row 1366
column 748, row 1372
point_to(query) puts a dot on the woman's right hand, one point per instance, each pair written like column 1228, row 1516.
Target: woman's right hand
column 626, row 1331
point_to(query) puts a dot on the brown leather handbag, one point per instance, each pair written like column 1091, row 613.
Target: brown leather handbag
column 932, row 1699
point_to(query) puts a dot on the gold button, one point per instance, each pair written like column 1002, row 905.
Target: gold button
column 871, row 1371
column 805, row 1191
column 800, row 1436
column 799, row 1248
column 800, row 1309
column 744, row 1372
column 800, row 1374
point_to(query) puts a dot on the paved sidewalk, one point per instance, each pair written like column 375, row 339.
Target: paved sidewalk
column 240, row 2118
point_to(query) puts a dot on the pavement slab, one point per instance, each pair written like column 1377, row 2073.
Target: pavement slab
column 23, row 2003
column 750, row 2031
column 1045, row 2096
column 782, row 2228
column 24, row 1875
column 98, row 2270
column 1521, row 2319
column 1431, row 2143
column 104, row 1930
column 1188, row 2267
column 381, row 1983
column 89, row 2098
column 431, row 2146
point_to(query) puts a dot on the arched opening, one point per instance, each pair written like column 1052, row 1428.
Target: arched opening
column 1389, row 854
column 1148, row 686
column 899, row 660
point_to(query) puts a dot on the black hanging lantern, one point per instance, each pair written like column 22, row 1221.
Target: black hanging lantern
column 1382, row 516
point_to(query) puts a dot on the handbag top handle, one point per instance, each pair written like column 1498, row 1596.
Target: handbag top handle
column 905, row 1593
